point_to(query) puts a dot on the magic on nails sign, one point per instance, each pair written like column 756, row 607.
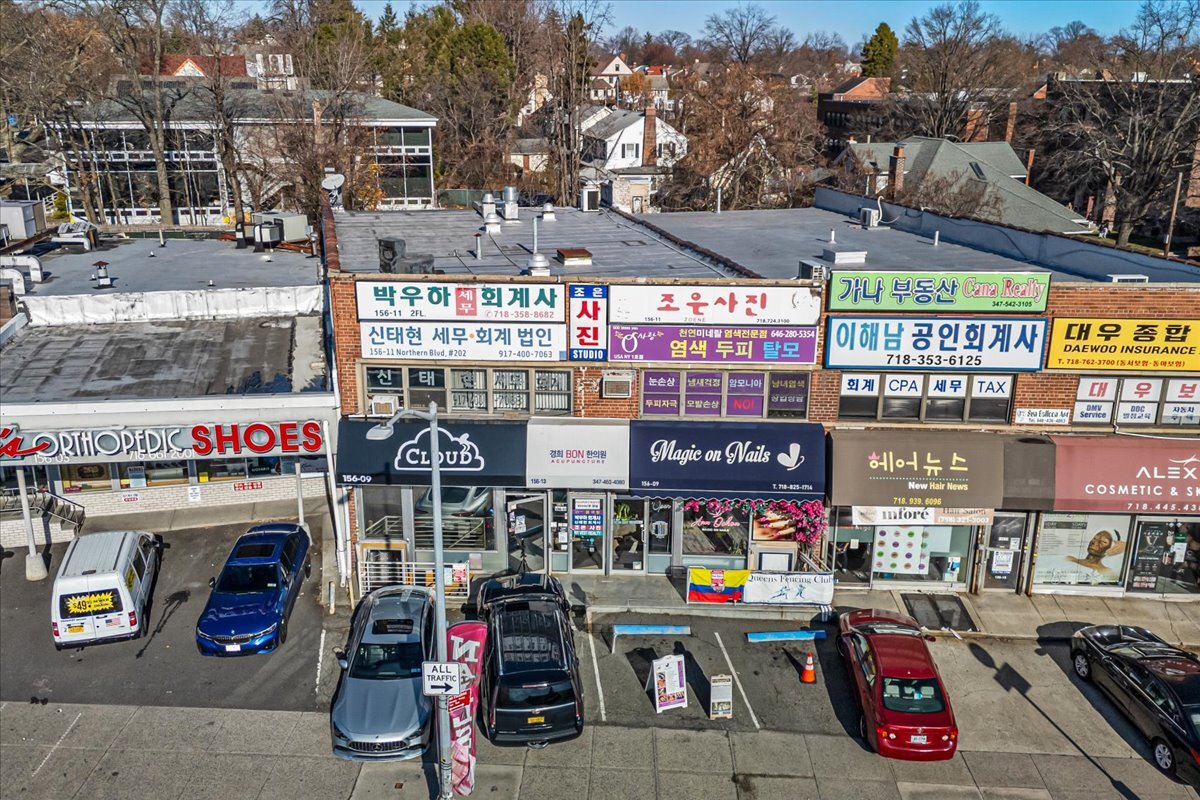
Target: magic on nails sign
column 925, row 469
column 1126, row 474
column 470, row 454
column 737, row 460
column 1165, row 345
column 931, row 291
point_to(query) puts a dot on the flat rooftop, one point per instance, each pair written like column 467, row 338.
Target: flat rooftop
column 181, row 264
column 160, row 360
column 620, row 248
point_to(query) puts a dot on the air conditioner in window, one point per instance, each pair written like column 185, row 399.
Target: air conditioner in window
column 384, row 405
column 617, row 388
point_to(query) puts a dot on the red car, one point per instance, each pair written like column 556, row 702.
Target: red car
column 905, row 711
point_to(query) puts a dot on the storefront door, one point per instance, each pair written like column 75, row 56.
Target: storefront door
column 629, row 535
column 1003, row 557
column 588, row 519
column 526, row 531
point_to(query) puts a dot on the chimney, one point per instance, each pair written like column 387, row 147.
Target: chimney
column 650, row 138
column 1010, row 124
column 896, row 173
column 872, row 183
column 1029, row 166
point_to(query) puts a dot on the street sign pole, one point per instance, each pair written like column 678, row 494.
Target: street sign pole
column 439, row 578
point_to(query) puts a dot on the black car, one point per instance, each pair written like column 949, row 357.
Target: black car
column 530, row 691
column 1155, row 684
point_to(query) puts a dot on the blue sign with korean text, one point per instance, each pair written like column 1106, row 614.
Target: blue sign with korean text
column 935, row 343
column 758, row 461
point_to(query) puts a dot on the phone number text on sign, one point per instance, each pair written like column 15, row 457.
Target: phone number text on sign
column 483, row 341
column 931, row 343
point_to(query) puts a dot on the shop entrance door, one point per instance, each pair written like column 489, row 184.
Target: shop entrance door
column 1003, row 554
column 629, row 535
column 526, row 531
column 588, row 518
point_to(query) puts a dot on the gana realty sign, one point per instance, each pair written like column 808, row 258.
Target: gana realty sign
column 159, row 443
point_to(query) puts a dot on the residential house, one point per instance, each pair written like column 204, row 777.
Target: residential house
column 980, row 180
column 539, row 95
column 179, row 65
column 610, row 74
column 628, row 153
column 395, row 137
column 845, row 111
column 530, row 155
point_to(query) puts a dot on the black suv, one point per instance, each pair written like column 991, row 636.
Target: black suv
column 1155, row 684
column 530, row 691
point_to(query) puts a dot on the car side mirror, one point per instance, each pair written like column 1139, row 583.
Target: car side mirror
column 212, row 583
column 340, row 655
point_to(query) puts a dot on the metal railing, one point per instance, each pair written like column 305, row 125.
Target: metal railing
column 390, row 527
column 458, row 533
column 382, row 567
column 45, row 503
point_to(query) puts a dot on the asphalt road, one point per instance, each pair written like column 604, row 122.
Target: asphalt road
column 162, row 668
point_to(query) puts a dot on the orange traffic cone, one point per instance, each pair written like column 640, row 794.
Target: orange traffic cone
column 810, row 673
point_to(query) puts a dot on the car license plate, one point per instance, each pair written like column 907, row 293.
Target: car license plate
column 233, row 648
column 919, row 739
column 536, row 719
column 74, row 629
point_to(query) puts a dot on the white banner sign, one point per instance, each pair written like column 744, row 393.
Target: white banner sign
column 906, row 515
column 498, row 302
column 666, row 682
column 714, row 305
column 1042, row 416
column 935, row 343
column 483, row 341
column 789, row 588
column 577, row 454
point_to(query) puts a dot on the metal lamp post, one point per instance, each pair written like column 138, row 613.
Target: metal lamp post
column 384, row 431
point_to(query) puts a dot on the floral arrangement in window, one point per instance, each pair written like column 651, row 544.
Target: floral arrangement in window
column 774, row 520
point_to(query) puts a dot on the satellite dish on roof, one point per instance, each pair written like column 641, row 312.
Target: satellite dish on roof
column 333, row 182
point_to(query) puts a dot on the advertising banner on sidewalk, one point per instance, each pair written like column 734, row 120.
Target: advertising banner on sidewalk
column 465, row 641
column 789, row 588
column 666, row 682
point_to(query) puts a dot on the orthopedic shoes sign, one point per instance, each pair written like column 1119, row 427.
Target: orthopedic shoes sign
column 469, row 453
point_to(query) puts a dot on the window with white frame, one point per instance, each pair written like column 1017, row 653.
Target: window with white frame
column 472, row 390
column 916, row 397
column 1138, row 401
column 630, row 150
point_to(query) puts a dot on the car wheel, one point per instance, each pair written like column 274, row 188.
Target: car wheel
column 1083, row 667
column 1164, row 756
column 862, row 731
column 282, row 632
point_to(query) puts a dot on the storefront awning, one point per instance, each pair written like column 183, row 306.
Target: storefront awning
column 1128, row 474
column 470, row 453
column 727, row 460
column 917, row 468
column 1028, row 473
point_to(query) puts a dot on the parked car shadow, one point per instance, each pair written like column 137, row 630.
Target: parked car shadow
column 641, row 659
column 832, row 672
column 694, row 675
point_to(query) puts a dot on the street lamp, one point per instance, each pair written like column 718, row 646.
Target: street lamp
column 380, row 432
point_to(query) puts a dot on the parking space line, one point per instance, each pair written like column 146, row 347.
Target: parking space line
column 596, row 667
column 737, row 681
column 320, row 659
column 56, row 744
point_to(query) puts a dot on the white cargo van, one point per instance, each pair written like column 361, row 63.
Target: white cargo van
column 103, row 587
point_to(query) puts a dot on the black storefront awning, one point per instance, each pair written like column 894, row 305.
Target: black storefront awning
column 471, row 453
column 727, row 460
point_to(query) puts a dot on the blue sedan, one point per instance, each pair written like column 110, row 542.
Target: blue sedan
column 247, row 611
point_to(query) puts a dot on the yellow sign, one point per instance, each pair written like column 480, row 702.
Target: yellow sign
column 1143, row 345
column 91, row 603
column 129, row 579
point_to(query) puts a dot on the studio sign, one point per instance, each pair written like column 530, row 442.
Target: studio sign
column 455, row 453
column 740, row 452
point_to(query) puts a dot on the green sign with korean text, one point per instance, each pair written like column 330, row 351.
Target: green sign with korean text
column 923, row 292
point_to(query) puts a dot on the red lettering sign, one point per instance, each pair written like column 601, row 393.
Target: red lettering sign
column 257, row 437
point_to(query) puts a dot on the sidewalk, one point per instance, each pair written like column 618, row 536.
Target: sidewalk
column 1008, row 615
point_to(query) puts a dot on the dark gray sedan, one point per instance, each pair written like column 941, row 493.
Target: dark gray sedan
column 378, row 712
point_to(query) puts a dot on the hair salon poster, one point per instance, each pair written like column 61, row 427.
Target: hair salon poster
column 1082, row 549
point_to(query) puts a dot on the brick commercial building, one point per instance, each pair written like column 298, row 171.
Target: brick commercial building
column 968, row 407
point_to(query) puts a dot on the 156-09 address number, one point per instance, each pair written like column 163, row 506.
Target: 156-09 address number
column 357, row 478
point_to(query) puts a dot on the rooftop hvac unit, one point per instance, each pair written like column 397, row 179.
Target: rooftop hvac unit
column 617, row 388
column 869, row 217
column 394, row 258
column 1129, row 278
column 384, row 405
column 810, row 270
column 589, row 198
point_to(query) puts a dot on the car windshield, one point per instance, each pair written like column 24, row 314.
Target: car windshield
column 245, row 578
column 537, row 695
column 888, row 627
column 912, row 696
column 375, row 661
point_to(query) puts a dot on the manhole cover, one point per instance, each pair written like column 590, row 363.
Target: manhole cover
column 939, row 611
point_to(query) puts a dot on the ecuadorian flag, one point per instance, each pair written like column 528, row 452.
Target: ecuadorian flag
column 716, row 585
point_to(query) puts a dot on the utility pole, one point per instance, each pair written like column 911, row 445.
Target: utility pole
column 1174, row 208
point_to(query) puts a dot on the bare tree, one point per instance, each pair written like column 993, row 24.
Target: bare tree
column 1138, row 129
column 739, row 33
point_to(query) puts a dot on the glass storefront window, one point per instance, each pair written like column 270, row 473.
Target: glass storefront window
column 221, row 469
column 659, row 535
column 1166, row 559
column 1087, row 549
column 86, row 478
column 137, row 475
column 922, row 552
column 710, row 533
column 851, row 549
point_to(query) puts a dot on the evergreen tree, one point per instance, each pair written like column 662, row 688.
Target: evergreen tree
column 388, row 24
column 879, row 53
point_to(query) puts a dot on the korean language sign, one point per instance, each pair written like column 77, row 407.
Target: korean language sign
column 932, row 291
column 1167, row 345
column 501, row 302
column 714, row 345
column 577, row 454
column 935, row 343
column 715, row 305
column 483, row 341
column 588, row 323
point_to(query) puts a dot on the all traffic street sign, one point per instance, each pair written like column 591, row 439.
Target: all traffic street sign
column 441, row 678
